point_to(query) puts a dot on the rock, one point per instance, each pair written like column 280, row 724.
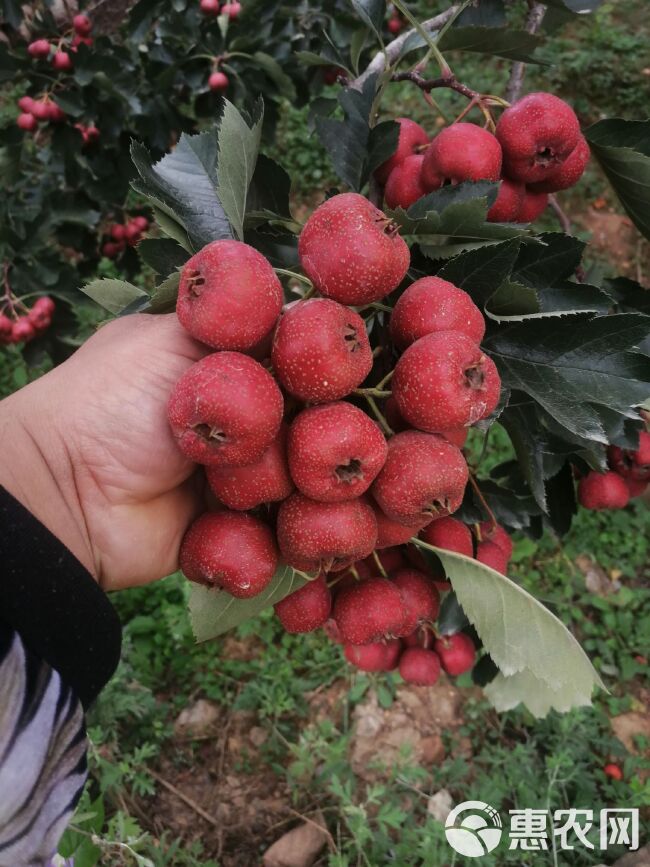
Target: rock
column 596, row 579
column 439, row 805
column 298, row 847
column 640, row 858
column 258, row 736
column 197, row 719
column 629, row 726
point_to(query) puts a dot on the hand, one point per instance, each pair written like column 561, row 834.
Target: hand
column 88, row 450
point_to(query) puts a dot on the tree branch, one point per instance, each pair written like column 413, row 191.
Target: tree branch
column 533, row 23
column 428, row 84
column 393, row 50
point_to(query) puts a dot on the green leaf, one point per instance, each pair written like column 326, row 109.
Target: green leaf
column 239, row 145
column 269, row 190
column 163, row 299
column 622, row 147
column 577, row 6
column 487, row 13
column 481, row 272
column 495, row 41
column 172, row 228
column 530, row 646
column 452, row 618
column 162, row 254
column 277, row 75
column 113, row 295
column 372, row 13
column 213, row 612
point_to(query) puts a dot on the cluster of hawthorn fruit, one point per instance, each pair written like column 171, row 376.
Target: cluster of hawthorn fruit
column 123, row 235
column 20, row 324
column 536, row 149
column 628, row 476
column 218, row 80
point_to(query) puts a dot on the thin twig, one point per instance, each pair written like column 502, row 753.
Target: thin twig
column 185, row 799
column 482, row 500
column 563, row 219
column 533, row 23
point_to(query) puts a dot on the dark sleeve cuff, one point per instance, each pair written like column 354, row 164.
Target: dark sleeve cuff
column 53, row 602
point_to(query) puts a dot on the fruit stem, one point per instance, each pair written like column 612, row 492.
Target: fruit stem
column 378, row 414
column 482, row 500
column 379, row 564
column 295, row 276
column 430, row 41
column 386, row 379
column 372, row 392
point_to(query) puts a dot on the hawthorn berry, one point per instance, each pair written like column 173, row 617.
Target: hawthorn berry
column 141, row 222
column 490, row 554
column 41, row 109
column 369, row 611
column 390, row 533
column 636, row 487
column 432, row 304
column 533, row 205
column 419, row 666
column 603, row 491
column 229, row 296
column 27, row 122
column 62, row 61
column 325, row 536
column 320, row 350
column 449, row 534
column 335, row 452
column 444, row 381
column 226, row 409
column 22, row 330
column 379, row 656
column 420, row 598
column 568, row 173
column 229, row 550
column 632, row 463
column 351, row 251
column 40, row 48
column 537, row 134
column 82, row 24
column 232, row 10
column 424, row 477
column 508, row 203
column 218, row 81
column 461, row 152
column 412, row 138
column 306, row 609
column 395, row 26
column 613, row 771
column 495, row 533
column 78, row 40
column 26, row 104
column 209, row 7
column 391, row 560
column 457, row 653
column 404, row 185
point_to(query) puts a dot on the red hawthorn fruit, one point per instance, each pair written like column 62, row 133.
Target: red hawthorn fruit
column 366, row 568
column 335, row 452
column 432, row 304
column 218, row 81
column 420, row 597
column 391, row 559
column 209, row 7
column 416, row 558
column 450, row 534
column 461, row 152
column 508, row 204
column 424, row 477
column 419, row 666
column 229, row 296
column 82, row 24
column 226, row 409
column 411, row 138
column 22, row 331
column 40, row 315
column 395, row 26
column 325, row 536
column 490, row 554
column 351, row 251
column 636, row 487
column 537, row 134
column 404, row 185
column 41, row 109
column 381, row 656
column 458, row 437
column 306, row 609
column 631, row 463
column 118, row 232
column 391, row 533
column 264, row 481
column 112, row 250
column 141, row 222
column 62, row 61
column 603, row 491
column 55, row 113
column 533, row 206
column 444, row 381
column 613, row 771
column 229, row 550
column 568, row 173
column 320, row 350
column 26, row 104
column 457, row 653
column 132, row 234
column 495, row 533
column 78, row 40
column 369, row 612
column 232, row 10
column 27, row 122
column 5, row 327
column 39, row 48
column 423, row 637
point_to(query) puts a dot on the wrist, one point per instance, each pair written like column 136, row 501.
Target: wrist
column 37, row 469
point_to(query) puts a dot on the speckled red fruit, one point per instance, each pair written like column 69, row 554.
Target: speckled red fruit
column 419, row 666
column 444, row 381
column 537, row 134
column 450, row 534
column 412, row 137
column 424, row 477
column 382, row 656
column 533, row 206
column 457, row 653
column 613, row 771
column 335, row 452
column 351, row 251
column 508, row 202
column 461, row 152
column 307, row 609
column 82, row 24
column 603, row 491
column 430, row 305
column 39, row 48
column 226, row 409
column 421, row 599
column 390, row 533
column 62, row 61
column 264, row 481
column 229, row 550
column 27, row 122
column 229, row 296
column 325, row 536
column 496, row 533
column 369, row 611
column 458, row 437
column 632, row 463
column 321, row 350
column 568, row 173
column 209, row 7
column 22, row 331
column 404, row 185
column 218, row 81
column 490, row 554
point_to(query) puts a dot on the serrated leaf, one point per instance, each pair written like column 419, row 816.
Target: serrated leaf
column 162, row 254
column 481, row 272
column 113, row 295
column 213, row 612
column 163, row 298
column 525, row 640
column 172, row 228
column 495, row 41
column 628, row 294
column 622, row 147
column 238, row 145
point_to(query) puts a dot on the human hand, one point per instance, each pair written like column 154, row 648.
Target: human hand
column 88, row 450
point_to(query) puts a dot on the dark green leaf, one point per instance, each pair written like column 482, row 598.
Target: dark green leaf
column 628, row 294
column 487, row 13
column 162, row 254
column 481, row 272
column 495, row 41
column 270, row 188
column 577, row 6
column 238, row 144
column 371, row 12
column 452, row 618
column 163, row 299
column 561, row 499
column 484, row 671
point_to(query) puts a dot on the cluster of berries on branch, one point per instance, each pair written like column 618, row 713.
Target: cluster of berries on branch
column 215, row 8
column 628, row 477
column 19, row 323
column 123, row 235
column 59, row 51
column 35, row 111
